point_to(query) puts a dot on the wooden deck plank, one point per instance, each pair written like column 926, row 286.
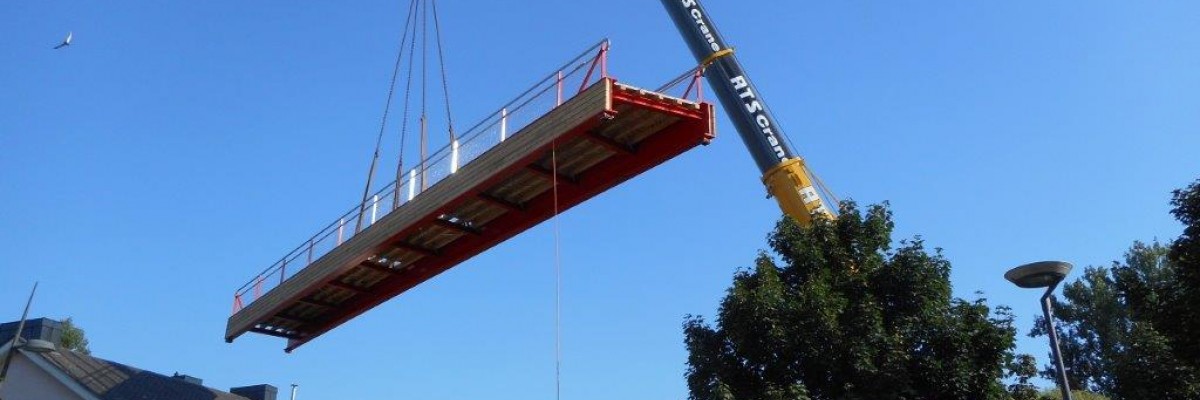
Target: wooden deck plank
column 578, row 110
column 503, row 173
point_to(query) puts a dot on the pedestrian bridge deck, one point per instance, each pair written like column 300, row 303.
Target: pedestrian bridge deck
column 604, row 135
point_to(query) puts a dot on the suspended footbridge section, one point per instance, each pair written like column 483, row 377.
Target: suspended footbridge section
column 539, row 155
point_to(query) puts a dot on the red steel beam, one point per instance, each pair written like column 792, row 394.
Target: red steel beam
column 695, row 129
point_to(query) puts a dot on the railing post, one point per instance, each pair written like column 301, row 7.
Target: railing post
column 311, row 244
column 604, row 60
column 599, row 59
column 503, row 123
column 454, row 156
column 374, row 208
column 693, row 84
column 412, row 184
column 237, row 303
column 396, row 192
column 341, row 230
column 282, row 270
column 560, row 89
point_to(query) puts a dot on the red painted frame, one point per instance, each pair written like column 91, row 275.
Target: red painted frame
column 694, row 128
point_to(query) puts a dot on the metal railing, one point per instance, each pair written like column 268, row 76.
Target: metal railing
column 494, row 129
column 694, row 78
column 571, row 78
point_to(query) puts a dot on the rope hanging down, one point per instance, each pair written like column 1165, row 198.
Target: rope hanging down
column 557, row 277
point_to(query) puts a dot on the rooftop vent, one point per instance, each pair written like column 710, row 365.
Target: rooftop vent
column 188, row 379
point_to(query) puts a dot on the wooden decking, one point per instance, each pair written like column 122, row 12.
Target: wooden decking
column 603, row 136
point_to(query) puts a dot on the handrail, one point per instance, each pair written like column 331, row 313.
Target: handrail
column 514, row 115
column 509, row 119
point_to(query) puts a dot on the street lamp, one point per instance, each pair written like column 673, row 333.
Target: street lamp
column 1046, row 274
column 34, row 346
column 19, row 343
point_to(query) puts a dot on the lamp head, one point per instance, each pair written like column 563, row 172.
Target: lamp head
column 1039, row 274
column 34, row 345
column 38, row 346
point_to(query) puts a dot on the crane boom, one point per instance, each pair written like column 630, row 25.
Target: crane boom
column 786, row 176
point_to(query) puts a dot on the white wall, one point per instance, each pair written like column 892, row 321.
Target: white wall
column 27, row 381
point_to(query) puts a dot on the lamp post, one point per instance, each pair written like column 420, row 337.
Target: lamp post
column 1046, row 274
column 34, row 345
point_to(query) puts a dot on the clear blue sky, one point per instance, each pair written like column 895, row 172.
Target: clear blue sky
column 175, row 149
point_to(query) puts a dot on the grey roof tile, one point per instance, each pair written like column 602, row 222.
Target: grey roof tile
column 115, row 381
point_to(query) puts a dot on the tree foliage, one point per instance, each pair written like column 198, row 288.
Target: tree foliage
column 1179, row 320
column 1056, row 394
column 838, row 314
column 1023, row 368
column 1130, row 330
column 73, row 337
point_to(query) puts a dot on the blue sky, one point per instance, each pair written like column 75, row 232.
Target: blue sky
column 175, row 149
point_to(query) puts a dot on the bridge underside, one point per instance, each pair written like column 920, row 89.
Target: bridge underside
column 601, row 137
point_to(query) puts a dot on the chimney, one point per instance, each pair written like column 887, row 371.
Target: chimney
column 256, row 392
column 189, row 379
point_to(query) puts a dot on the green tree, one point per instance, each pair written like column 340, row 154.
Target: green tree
column 73, row 337
column 1130, row 330
column 838, row 314
column 1108, row 340
column 1179, row 316
column 1024, row 368
column 1055, row 394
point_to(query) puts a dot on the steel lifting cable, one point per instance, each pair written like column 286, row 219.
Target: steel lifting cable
column 424, row 79
column 821, row 184
column 412, row 49
column 387, row 105
column 437, row 31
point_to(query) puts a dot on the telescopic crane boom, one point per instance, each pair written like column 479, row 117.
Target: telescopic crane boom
column 787, row 178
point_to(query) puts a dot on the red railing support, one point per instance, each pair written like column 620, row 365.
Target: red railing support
column 237, row 303
column 602, row 59
column 255, row 288
column 696, row 83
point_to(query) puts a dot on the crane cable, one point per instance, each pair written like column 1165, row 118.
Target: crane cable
column 425, row 10
column 702, row 67
column 412, row 48
column 437, row 30
column 410, row 31
column 387, row 105
column 424, row 81
column 825, row 189
column 420, row 6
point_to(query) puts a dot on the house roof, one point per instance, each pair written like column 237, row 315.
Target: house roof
column 115, row 381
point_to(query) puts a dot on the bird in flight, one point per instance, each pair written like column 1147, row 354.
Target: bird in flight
column 66, row 42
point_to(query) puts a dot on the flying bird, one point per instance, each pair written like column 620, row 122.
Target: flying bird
column 66, row 42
